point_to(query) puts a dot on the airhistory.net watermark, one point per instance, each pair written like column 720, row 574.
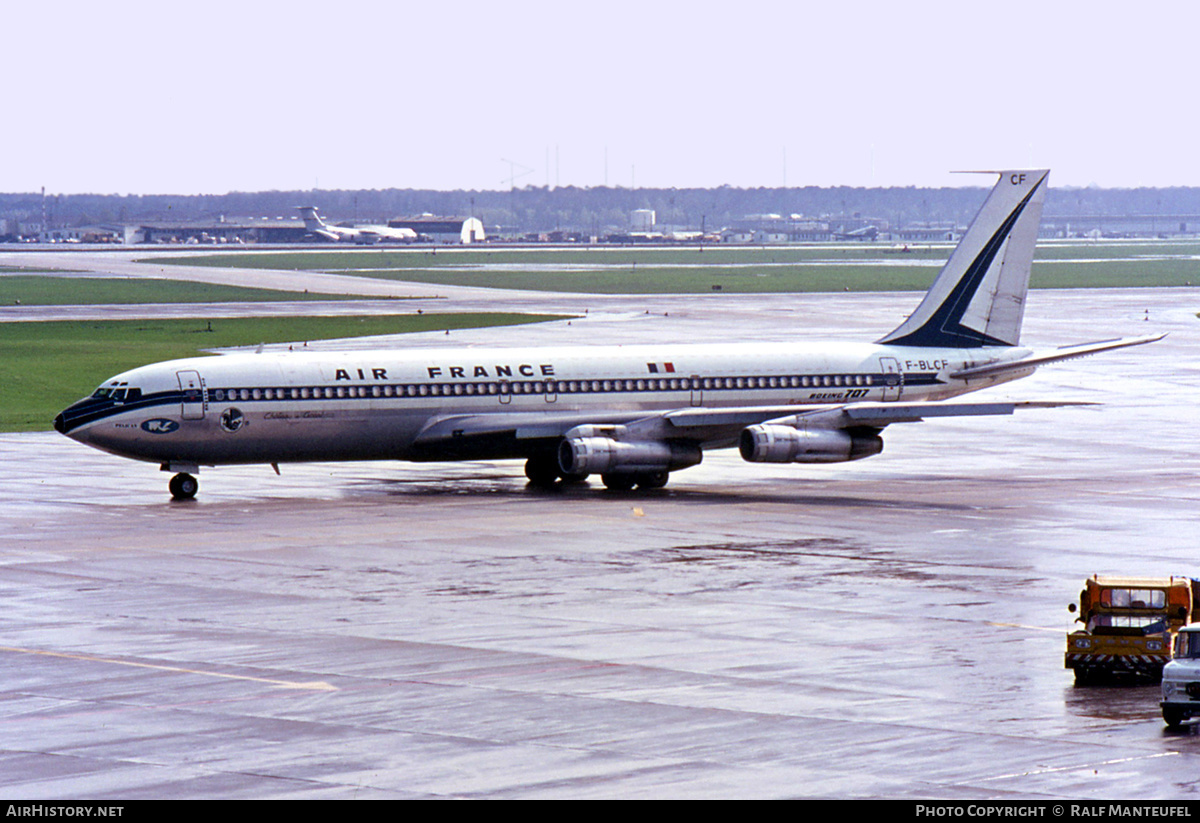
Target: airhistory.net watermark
column 64, row 810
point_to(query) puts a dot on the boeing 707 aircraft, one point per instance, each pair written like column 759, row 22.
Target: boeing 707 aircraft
column 632, row 414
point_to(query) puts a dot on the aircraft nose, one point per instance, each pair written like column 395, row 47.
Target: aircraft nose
column 69, row 419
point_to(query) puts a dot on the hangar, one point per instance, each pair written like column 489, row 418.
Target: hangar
column 242, row 230
column 463, row 230
column 450, row 230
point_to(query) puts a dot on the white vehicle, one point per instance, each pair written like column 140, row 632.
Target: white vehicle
column 631, row 414
column 363, row 235
column 1181, row 679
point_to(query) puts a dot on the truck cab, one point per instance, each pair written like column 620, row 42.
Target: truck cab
column 1129, row 624
column 1181, row 679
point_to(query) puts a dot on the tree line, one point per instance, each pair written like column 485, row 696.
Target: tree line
column 596, row 209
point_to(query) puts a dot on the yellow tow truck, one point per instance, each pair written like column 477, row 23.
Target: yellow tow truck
column 1129, row 624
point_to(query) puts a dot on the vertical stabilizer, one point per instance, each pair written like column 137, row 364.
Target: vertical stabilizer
column 978, row 298
column 312, row 220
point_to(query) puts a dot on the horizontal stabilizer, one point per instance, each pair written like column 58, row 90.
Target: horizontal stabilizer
column 1053, row 356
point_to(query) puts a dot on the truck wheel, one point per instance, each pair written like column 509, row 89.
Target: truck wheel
column 1172, row 717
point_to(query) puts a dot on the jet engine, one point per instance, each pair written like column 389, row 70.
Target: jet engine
column 604, row 455
column 768, row 443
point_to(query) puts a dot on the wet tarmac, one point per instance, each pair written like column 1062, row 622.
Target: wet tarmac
column 890, row 628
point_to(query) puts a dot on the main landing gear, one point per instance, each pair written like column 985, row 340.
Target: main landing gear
column 544, row 472
column 183, row 486
column 643, row 480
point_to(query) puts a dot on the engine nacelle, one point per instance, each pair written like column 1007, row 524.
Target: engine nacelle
column 784, row 444
column 603, row 455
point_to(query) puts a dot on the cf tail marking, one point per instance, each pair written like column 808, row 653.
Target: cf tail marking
column 978, row 298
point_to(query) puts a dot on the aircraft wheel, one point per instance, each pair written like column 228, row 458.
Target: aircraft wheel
column 575, row 478
column 184, row 486
column 541, row 472
column 654, row 480
column 619, row 482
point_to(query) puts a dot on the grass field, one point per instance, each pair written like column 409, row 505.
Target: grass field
column 52, row 290
column 46, row 366
column 327, row 259
column 784, row 278
column 737, row 270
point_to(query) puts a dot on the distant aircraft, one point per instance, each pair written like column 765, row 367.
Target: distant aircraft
column 865, row 233
column 632, row 414
column 363, row 235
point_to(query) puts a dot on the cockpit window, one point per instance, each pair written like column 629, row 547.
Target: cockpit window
column 117, row 392
column 1145, row 624
column 1133, row 598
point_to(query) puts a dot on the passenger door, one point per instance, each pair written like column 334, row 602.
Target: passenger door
column 893, row 378
column 192, row 386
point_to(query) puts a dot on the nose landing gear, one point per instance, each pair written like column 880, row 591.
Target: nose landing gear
column 183, row 486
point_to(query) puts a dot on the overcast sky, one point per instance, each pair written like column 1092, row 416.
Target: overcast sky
column 151, row 97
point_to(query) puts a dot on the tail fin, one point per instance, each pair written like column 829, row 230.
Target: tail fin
column 312, row 221
column 978, row 298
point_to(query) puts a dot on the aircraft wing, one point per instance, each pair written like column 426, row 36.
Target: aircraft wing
column 441, row 430
column 722, row 426
column 708, row 427
column 1032, row 361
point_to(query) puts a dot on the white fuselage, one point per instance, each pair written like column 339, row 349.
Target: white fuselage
column 286, row 407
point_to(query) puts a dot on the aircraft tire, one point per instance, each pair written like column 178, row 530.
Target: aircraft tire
column 653, row 480
column 541, row 472
column 619, row 482
column 183, row 486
